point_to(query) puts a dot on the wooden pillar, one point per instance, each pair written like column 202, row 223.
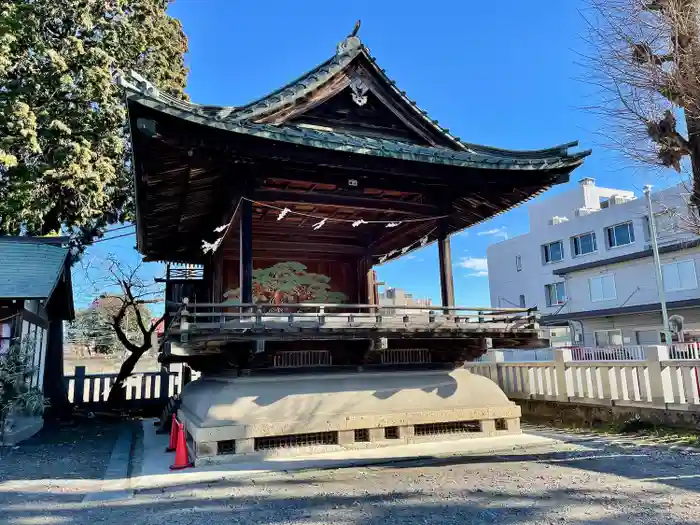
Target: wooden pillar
column 372, row 286
column 445, row 254
column 246, row 251
column 364, row 295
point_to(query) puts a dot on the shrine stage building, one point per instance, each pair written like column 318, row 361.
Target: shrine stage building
column 271, row 217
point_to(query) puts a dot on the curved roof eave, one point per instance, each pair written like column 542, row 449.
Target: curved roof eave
column 338, row 141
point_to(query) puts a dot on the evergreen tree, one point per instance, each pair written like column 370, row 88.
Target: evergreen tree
column 64, row 153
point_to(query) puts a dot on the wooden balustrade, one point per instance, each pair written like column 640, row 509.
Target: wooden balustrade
column 259, row 317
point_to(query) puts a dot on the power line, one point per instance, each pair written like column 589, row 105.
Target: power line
column 111, row 238
column 121, row 228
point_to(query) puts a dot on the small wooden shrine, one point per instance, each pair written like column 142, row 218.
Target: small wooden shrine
column 277, row 212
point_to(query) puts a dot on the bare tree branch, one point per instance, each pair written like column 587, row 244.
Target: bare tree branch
column 645, row 61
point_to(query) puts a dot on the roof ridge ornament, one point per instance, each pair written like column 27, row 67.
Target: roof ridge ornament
column 135, row 82
column 351, row 42
column 359, row 91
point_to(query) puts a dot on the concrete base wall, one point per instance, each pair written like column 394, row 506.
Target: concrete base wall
column 384, row 407
column 581, row 414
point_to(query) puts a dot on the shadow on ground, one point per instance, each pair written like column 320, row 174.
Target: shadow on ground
column 474, row 506
column 352, row 496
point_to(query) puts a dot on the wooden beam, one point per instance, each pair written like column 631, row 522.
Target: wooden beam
column 303, row 246
column 445, row 255
column 430, row 189
column 346, row 201
column 246, row 252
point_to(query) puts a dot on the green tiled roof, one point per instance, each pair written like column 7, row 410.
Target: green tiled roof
column 243, row 120
column 472, row 156
column 29, row 268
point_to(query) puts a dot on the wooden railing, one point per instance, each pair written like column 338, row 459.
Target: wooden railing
column 202, row 317
column 186, row 272
column 141, row 388
column 654, row 380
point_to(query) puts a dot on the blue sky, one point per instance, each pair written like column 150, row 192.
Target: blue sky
column 496, row 73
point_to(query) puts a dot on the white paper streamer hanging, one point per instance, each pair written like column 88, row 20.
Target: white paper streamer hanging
column 319, row 224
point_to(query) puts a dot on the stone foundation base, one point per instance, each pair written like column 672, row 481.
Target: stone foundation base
column 231, row 417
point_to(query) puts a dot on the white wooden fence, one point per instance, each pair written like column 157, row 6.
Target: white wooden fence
column 142, row 388
column 652, row 376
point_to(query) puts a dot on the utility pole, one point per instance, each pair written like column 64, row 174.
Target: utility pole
column 657, row 264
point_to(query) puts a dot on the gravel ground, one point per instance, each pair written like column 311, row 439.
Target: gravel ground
column 69, row 453
column 586, row 480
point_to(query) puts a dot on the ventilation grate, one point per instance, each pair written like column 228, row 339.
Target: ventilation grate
column 501, row 424
column 302, row 358
column 452, row 427
column 296, row 440
column 226, row 447
column 391, row 433
column 403, row 357
column 362, row 435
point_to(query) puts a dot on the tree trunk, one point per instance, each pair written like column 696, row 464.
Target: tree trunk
column 117, row 393
column 693, row 125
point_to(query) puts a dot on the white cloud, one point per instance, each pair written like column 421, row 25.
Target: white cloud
column 478, row 266
column 495, row 232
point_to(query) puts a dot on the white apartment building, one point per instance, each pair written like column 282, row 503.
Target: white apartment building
column 587, row 263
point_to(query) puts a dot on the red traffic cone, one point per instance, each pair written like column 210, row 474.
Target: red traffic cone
column 182, row 459
column 173, row 435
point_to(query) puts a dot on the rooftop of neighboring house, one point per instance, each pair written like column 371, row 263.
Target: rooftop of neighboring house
column 37, row 268
column 397, row 296
column 587, row 207
column 584, row 199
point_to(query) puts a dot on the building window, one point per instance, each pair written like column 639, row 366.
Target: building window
column 602, row 287
column 5, row 337
column 518, row 263
column 555, row 294
column 608, row 338
column 553, row 252
column 620, row 234
column 522, row 301
column 583, row 244
column 679, row 275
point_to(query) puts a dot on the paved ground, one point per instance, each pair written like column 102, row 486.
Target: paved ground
column 582, row 480
column 55, row 455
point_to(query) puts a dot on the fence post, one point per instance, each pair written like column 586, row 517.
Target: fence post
column 164, row 382
column 79, row 386
column 563, row 373
column 494, row 357
column 184, row 321
column 659, row 380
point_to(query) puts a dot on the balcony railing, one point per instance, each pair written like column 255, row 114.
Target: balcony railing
column 256, row 318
